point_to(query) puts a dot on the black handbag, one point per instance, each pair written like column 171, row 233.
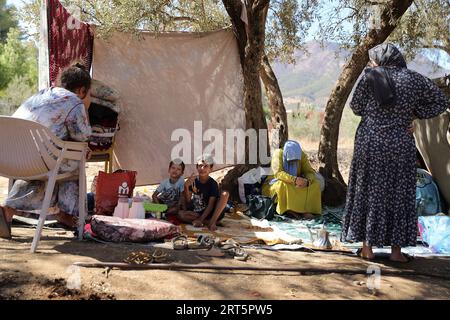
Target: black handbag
column 261, row 207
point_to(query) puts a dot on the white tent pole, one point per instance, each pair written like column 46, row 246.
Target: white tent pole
column 44, row 70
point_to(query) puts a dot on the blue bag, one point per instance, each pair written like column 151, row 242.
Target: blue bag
column 428, row 201
column 435, row 231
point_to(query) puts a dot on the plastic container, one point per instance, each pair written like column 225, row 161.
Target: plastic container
column 122, row 209
column 137, row 210
column 155, row 207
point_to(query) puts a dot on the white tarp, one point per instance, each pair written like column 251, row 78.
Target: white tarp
column 431, row 140
column 167, row 82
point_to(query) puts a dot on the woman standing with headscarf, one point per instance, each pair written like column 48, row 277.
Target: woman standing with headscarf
column 293, row 182
column 380, row 206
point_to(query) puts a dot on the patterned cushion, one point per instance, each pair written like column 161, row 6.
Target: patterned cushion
column 115, row 229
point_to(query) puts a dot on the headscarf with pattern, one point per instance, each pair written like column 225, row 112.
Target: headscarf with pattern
column 385, row 55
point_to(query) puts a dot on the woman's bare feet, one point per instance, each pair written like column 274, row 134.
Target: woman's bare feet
column 298, row 216
column 366, row 252
column 397, row 255
column 308, row 216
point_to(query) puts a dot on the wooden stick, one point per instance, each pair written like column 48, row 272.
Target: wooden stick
column 182, row 266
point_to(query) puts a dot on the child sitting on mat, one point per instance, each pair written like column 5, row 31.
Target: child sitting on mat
column 170, row 190
column 204, row 203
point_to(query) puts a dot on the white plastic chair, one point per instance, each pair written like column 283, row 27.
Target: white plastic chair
column 30, row 151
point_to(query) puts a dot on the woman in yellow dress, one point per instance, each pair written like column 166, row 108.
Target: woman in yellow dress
column 294, row 182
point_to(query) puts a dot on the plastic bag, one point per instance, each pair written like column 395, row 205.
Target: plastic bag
column 261, row 207
column 435, row 231
column 250, row 183
column 109, row 186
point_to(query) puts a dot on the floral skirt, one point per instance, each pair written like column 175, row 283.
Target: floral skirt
column 29, row 195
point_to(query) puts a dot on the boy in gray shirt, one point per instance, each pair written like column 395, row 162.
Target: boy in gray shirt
column 170, row 190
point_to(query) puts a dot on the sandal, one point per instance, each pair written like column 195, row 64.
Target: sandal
column 159, row 256
column 229, row 244
column 180, row 243
column 205, row 241
column 234, row 249
column 5, row 226
column 238, row 254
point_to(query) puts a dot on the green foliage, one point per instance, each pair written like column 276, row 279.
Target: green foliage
column 29, row 15
column 425, row 25
column 7, row 20
column 157, row 15
column 17, row 58
column 349, row 124
column 288, row 21
column 305, row 122
column 266, row 109
column 18, row 71
column 17, row 91
column 288, row 24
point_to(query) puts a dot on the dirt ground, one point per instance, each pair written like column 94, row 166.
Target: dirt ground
column 46, row 274
column 49, row 274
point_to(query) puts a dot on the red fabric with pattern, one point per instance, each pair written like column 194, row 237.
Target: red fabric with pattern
column 68, row 39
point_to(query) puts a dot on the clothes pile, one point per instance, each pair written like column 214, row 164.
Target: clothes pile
column 103, row 115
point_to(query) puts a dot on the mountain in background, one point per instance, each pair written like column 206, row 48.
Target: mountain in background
column 314, row 75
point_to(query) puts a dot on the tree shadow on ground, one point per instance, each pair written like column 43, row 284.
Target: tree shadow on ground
column 21, row 285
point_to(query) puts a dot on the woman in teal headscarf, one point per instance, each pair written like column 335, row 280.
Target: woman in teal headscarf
column 293, row 181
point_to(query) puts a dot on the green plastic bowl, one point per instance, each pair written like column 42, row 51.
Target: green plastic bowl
column 155, row 207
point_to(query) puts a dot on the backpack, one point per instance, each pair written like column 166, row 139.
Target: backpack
column 261, row 207
column 428, row 201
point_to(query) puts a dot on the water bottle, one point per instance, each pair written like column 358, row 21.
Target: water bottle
column 137, row 210
column 122, row 208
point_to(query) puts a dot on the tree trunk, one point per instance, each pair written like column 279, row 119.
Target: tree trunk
column 254, row 51
column 336, row 188
column 278, row 115
column 251, row 49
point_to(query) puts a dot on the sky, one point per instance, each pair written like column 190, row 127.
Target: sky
column 444, row 60
column 17, row 3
